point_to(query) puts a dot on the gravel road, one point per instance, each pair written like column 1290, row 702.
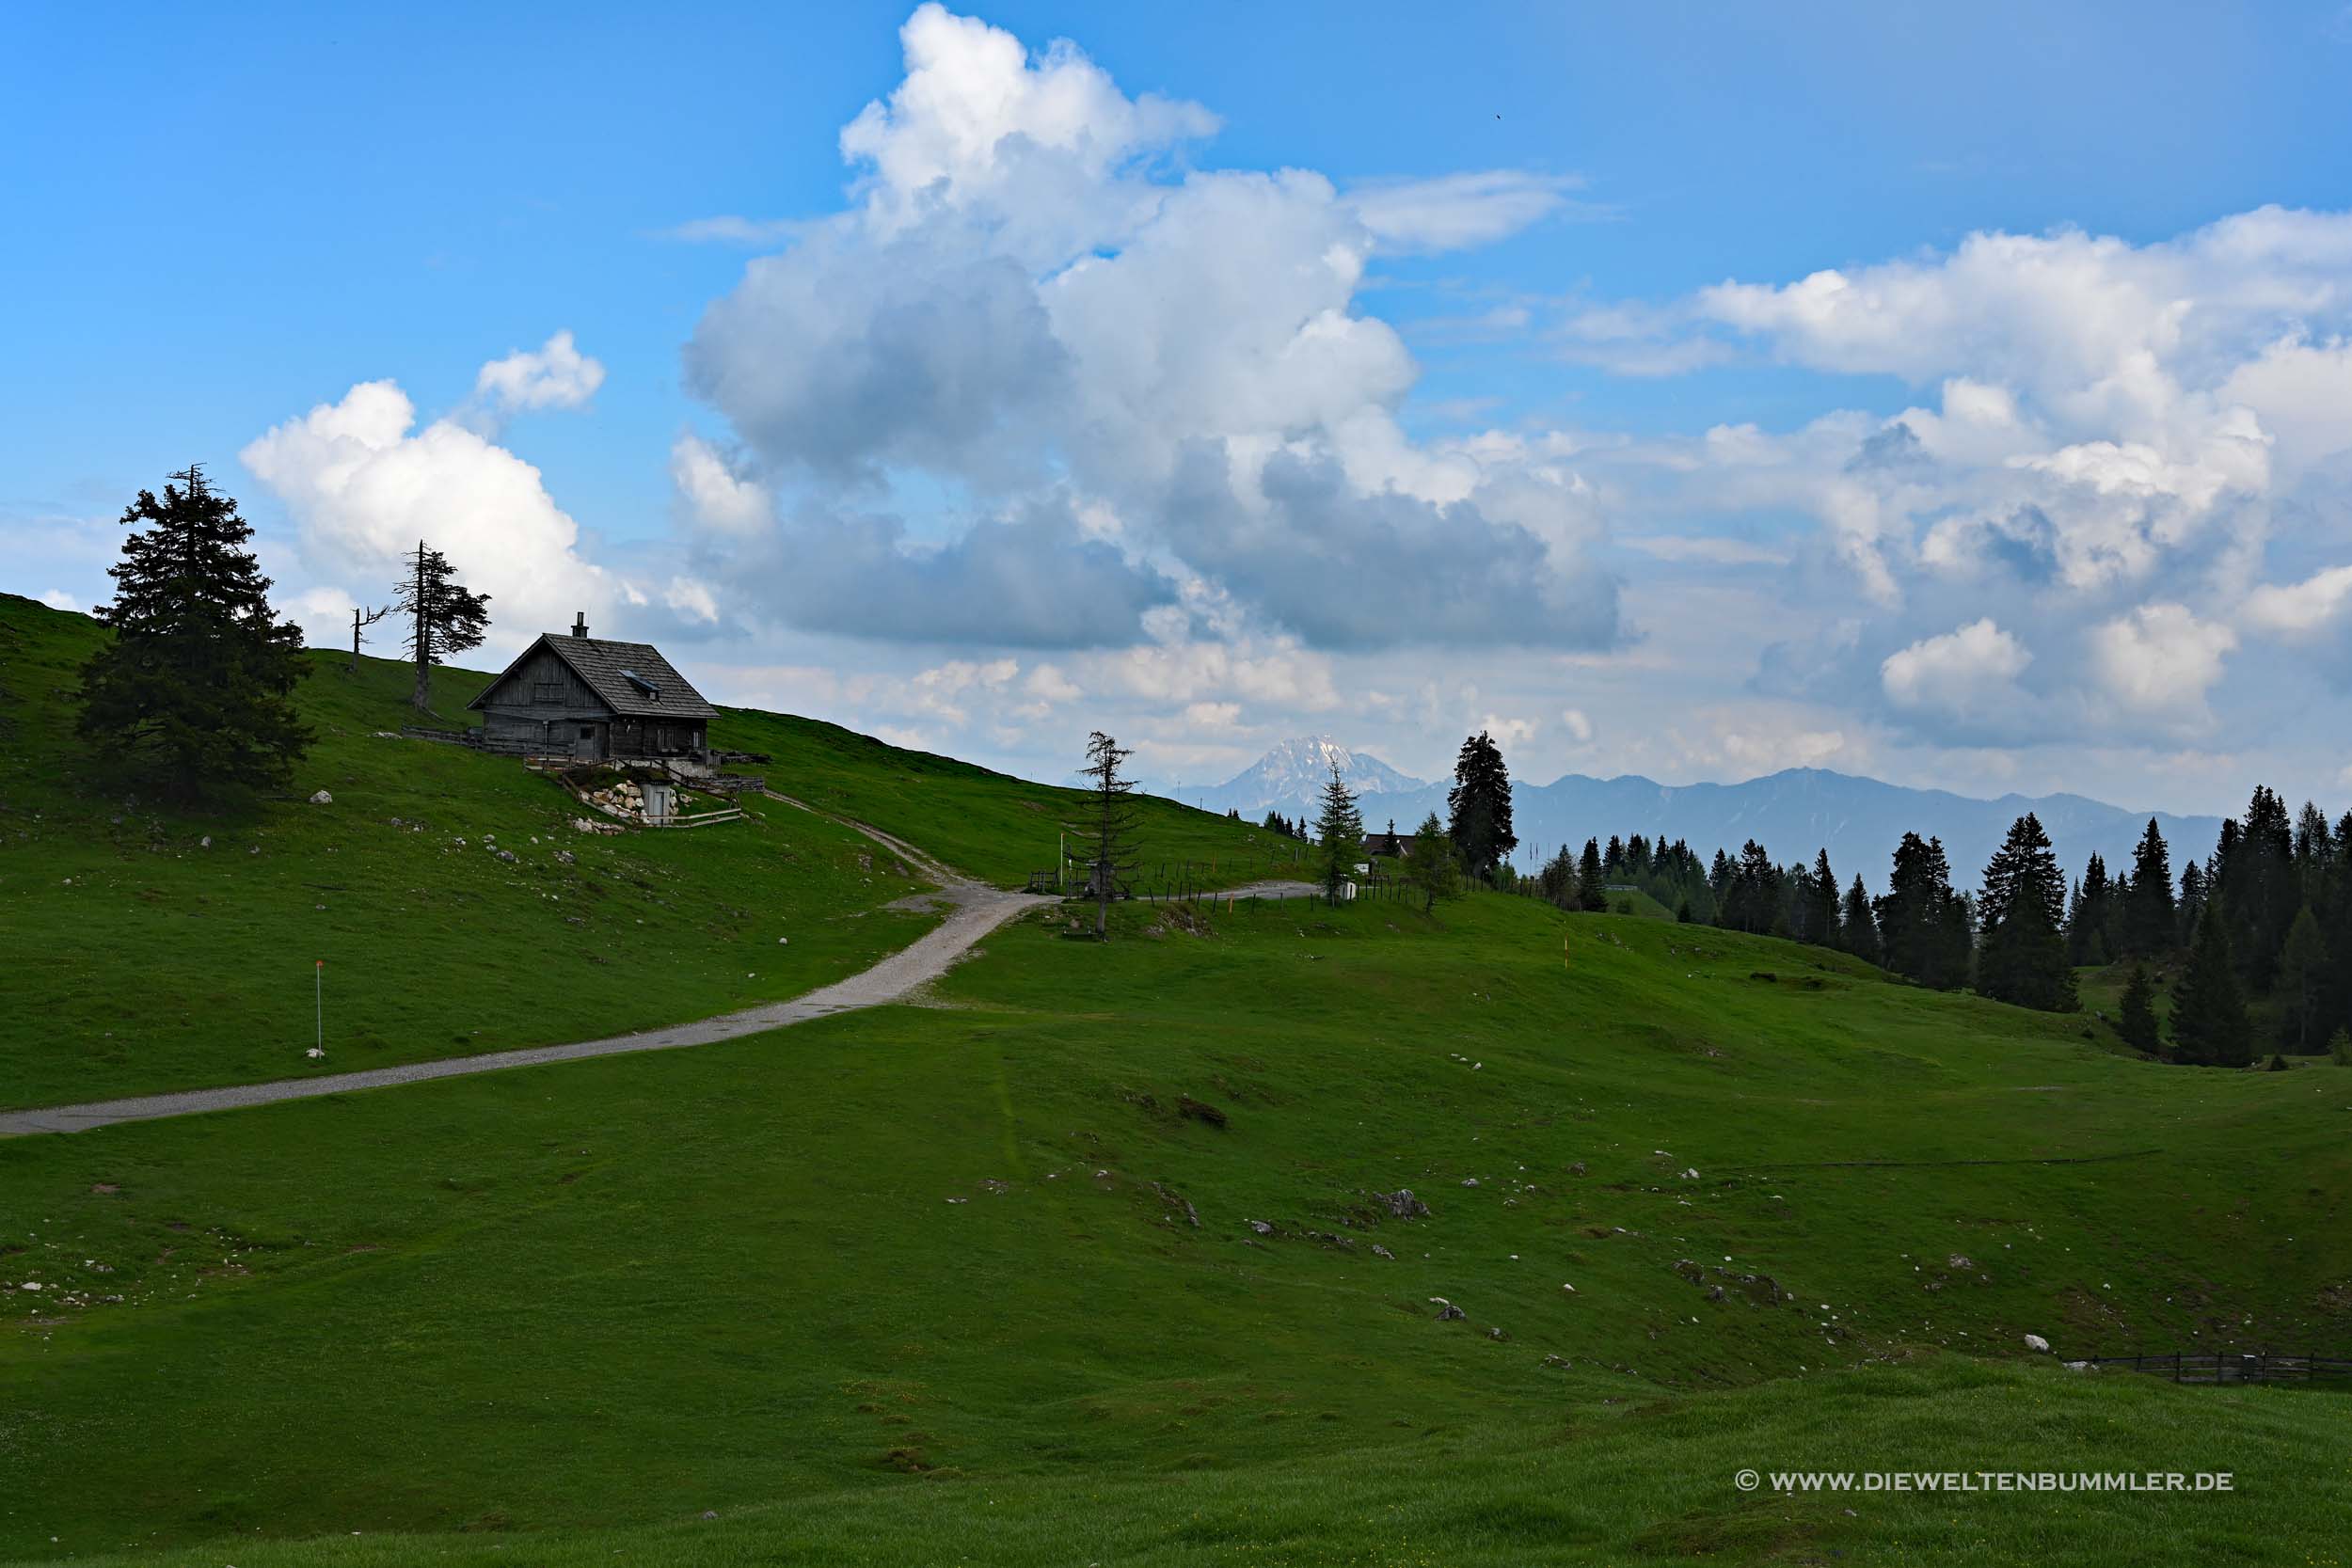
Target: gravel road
column 977, row 910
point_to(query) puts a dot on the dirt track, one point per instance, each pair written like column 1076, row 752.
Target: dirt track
column 977, row 912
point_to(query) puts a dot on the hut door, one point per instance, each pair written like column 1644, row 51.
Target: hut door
column 585, row 746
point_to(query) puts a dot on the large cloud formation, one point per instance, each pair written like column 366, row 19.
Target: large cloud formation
column 1029, row 303
column 364, row 484
column 2115, row 434
column 1063, row 427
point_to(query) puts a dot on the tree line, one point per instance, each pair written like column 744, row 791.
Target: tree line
column 2264, row 919
column 2261, row 925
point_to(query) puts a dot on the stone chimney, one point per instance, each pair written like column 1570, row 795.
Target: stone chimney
column 580, row 623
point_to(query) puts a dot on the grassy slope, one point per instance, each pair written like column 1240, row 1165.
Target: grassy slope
column 1642, row 904
column 1645, row 1480
column 606, row 1296
column 144, row 959
column 990, row 826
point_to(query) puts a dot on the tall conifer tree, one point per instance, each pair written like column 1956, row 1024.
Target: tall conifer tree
column 2209, row 1024
column 2151, row 920
column 1820, row 922
column 2021, row 914
column 1340, row 830
column 444, row 616
column 193, row 692
column 1858, row 928
column 2303, row 980
column 1923, row 925
column 1478, row 806
column 1592, row 885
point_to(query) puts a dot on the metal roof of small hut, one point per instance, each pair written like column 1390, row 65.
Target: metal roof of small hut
column 630, row 678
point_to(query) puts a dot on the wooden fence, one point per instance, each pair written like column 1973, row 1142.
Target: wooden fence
column 1184, row 880
column 1384, row 891
column 2235, row 1366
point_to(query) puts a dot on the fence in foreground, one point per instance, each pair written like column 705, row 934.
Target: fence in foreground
column 2234, row 1367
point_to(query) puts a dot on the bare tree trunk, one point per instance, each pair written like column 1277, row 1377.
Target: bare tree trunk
column 422, row 698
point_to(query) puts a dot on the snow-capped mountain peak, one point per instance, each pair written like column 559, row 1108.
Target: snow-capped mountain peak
column 1290, row 777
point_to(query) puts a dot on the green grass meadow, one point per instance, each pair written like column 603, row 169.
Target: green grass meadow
column 924, row 1284
column 154, row 948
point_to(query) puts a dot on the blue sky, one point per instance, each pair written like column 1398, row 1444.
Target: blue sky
column 225, row 222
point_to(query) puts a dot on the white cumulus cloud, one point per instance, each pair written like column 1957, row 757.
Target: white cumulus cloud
column 1968, row 671
column 2297, row 608
column 553, row 375
column 2161, row 659
column 364, row 485
column 1029, row 299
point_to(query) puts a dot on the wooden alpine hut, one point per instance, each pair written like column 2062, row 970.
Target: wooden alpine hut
column 597, row 700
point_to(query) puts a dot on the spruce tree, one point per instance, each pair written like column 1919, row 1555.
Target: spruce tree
column 2021, row 914
column 2091, row 919
column 2334, row 908
column 2151, row 923
column 2209, row 1025
column 1592, row 885
column 2255, row 882
column 2138, row 1024
column 1923, row 925
column 1433, row 870
column 1341, row 829
column 444, row 616
column 1820, row 922
column 193, row 692
column 1556, row 881
column 2303, row 978
column 1858, row 928
column 1956, row 945
column 2314, row 848
column 2190, row 911
column 1478, row 806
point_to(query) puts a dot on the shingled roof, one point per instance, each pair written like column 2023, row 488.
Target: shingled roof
column 630, row 678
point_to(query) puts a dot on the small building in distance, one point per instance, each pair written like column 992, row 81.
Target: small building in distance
column 583, row 697
column 1393, row 843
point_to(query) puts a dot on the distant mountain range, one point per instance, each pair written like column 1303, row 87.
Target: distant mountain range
column 1792, row 814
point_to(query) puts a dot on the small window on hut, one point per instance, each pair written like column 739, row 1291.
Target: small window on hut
column 587, row 732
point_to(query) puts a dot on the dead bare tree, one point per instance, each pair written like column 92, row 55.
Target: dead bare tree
column 360, row 618
column 1110, row 824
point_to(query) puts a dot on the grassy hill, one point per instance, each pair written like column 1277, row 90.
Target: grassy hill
column 989, row 826
column 921, row 1284
column 153, row 948
column 925, row 1283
